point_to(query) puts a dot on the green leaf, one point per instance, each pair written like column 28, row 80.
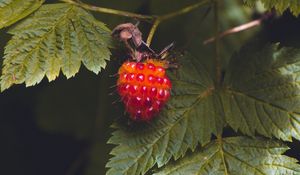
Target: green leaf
column 262, row 91
column 193, row 114
column 260, row 94
column 12, row 11
column 279, row 5
column 56, row 37
column 236, row 155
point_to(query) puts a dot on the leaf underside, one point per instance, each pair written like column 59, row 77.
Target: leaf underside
column 12, row 11
column 56, row 37
column 235, row 156
column 260, row 94
column 279, row 5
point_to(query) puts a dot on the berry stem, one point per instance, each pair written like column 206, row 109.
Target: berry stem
column 152, row 30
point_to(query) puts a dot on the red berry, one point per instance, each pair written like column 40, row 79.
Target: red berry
column 144, row 88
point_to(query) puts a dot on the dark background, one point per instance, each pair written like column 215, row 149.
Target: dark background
column 61, row 128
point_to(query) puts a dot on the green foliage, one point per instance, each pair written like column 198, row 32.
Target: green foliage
column 259, row 95
column 262, row 91
column 12, row 11
column 279, row 5
column 236, row 155
column 56, row 37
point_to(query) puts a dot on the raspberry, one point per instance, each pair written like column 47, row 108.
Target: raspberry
column 144, row 88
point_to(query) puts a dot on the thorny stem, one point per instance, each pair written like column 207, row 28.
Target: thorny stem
column 157, row 19
column 217, row 43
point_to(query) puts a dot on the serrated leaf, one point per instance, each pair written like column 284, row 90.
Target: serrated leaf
column 12, row 11
column 235, row 156
column 193, row 114
column 260, row 94
column 56, row 37
column 279, row 5
column 262, row 91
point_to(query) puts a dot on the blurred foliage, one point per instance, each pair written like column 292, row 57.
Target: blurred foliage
column 82, row 108
column 279, row 5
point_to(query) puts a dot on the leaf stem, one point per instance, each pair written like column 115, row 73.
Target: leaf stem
column 217, row 43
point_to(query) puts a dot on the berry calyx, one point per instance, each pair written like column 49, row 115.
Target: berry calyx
column 144, row 88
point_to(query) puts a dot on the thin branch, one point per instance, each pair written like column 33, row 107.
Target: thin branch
column 241, row 28
column 184, row 10
column 236, row 29
column 167, row 16
column 109, row 11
